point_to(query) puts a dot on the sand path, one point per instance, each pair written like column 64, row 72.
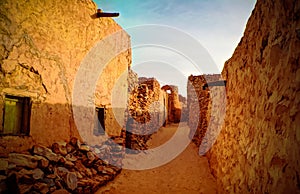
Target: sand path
column 187, row 173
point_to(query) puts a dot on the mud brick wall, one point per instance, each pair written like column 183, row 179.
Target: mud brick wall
column 42, row 44
column 258, row 148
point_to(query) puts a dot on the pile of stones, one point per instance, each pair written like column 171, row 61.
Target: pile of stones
column 71, row 167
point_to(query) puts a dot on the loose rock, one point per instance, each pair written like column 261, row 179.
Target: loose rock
column 45, row 152
column 37, row 174
column 80, row 171
column 22, row 160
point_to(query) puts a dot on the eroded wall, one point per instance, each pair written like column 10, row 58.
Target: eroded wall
column 146, row 112
column 258, row 148
column 199, row 102
column 174, row 107
column 184, row 109
column 42, row 46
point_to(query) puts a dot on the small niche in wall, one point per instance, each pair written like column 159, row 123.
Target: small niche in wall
column 16, row 115
column 99, row 128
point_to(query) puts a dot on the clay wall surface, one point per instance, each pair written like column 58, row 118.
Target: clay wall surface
column 42, row 46
column 258, row 148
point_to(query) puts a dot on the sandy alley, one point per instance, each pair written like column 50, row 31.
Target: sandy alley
column 187, row 173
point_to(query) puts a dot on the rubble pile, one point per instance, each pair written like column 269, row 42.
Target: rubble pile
column 70, row 167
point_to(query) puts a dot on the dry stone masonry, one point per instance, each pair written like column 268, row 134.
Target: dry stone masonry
column 198, row 101
column 146, row 112
column 258, row 148
column 184, row 109
column 174, row 106
column 149, row 108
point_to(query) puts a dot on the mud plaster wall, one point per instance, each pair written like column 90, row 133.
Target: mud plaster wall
column 258, row 148
column 42, row 45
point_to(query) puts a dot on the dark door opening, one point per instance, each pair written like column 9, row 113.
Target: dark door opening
column 99, row 128
column 16, row 115
column 164, row 114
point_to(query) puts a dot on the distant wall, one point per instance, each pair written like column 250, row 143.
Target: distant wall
column 146, row 113
column 258, row 148
column 184, row 109
column 174, row 106
column 199, row 102
column 42, row 44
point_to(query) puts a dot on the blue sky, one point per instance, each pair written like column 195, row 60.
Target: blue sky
column 217, row 25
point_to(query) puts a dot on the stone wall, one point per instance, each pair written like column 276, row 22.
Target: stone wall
column 184, row 109
column 146, row 112
column 42, row 46
column 174, row 106
column 198, row 104
column 258, row 148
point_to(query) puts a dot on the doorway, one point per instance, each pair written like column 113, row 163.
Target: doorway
column 99, row 128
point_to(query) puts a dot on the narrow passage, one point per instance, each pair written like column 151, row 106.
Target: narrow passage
column 188, row 173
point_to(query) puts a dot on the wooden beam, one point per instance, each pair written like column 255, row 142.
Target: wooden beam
column 216, row 83
column 100, row 13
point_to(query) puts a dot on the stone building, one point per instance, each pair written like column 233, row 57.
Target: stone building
column 258, row 148
column 184, row 110
column 199, row 103
column 146, row 112
column 40, row 55
column 174, row 106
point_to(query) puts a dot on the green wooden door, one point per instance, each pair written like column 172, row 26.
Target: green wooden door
column 13, row 115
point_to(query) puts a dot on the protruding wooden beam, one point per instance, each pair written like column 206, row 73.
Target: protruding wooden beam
column 216, row 83
column 100, row 13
